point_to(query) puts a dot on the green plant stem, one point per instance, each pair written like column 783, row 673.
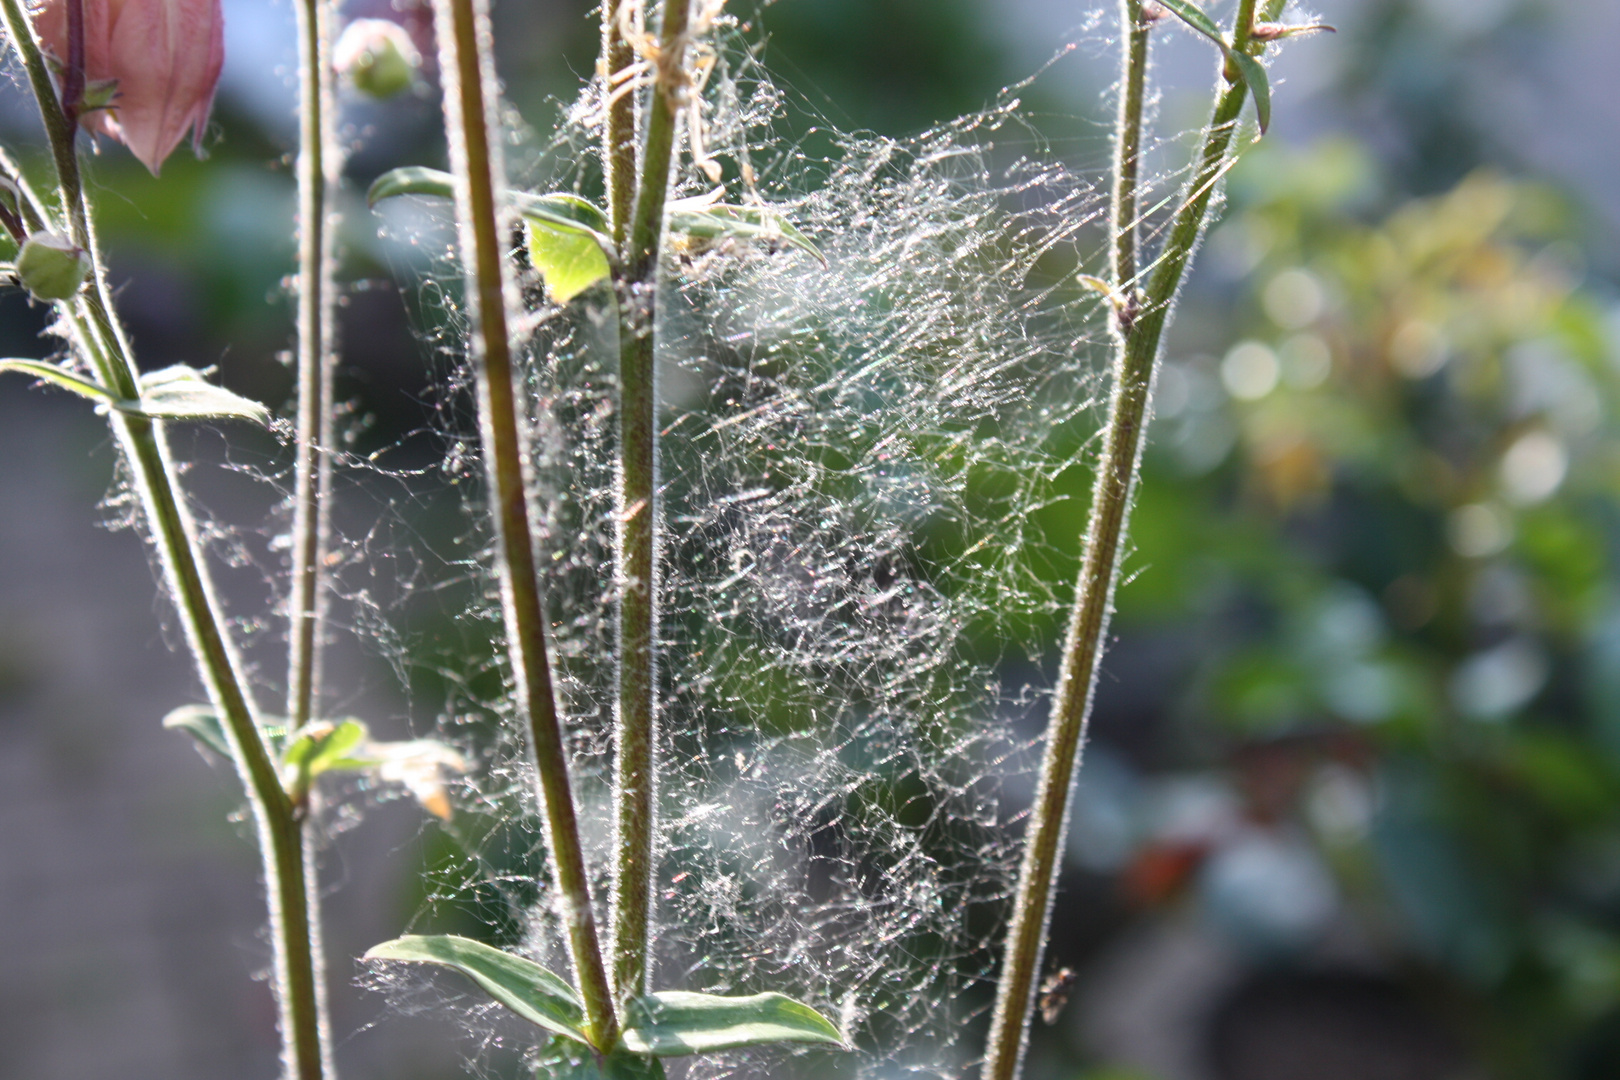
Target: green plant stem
column 634, row 779
column 281, row 842
column 619, row 128
column 467, row 72
column 312, row 475
column 1127, row 163
column 1135, row 359
column 314, row 436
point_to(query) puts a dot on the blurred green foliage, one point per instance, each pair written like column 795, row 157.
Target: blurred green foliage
column 1384, row 506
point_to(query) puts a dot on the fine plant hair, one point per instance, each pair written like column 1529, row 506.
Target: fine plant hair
column 761, row 503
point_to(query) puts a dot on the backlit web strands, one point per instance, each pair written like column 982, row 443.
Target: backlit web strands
column 855, row 463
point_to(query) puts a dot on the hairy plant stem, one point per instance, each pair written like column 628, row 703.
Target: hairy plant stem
column 467, row 72
column 634, row 778
column 100, row 337
column 73, row 77
column 318, row 163
column 1138, row 332
column 619, row 127
column 1127, row 165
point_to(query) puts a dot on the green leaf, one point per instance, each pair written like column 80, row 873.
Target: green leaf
column 754, row 223
column 1251, row 70
column 324, row 746
column 1254, row 74
column 182, row 393
column 570, row 260
column 174, row 393
column 201, row 722
column 564, row 210
column 67, row 380
column 1194, row 16
column 411, row 180
column 531, row 991
column 560, row 209
column 567, row 235
column 672, row 1022
column 319, row 748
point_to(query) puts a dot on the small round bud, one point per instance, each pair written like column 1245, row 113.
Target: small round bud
column 51, row 266
column 377, row 57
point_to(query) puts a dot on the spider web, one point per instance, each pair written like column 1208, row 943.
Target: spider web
column 855, row 463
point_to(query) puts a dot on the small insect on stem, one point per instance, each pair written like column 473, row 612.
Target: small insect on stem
column 1054, row 993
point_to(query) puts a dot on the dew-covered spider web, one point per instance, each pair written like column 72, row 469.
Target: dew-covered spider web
column 867, row 471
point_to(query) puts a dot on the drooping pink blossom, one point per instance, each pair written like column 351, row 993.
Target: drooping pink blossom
column 166, row 56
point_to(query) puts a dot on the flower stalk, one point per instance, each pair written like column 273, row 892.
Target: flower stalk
column 467, row 70
column 1139, row 323
column 98, row 335
column 619, row 126
column 318, row 164
column 634, row 780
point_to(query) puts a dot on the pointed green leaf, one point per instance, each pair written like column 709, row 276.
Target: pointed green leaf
column 61, row 377
column 531, row 991
column 201, row 722
column 672, row 1022
column 568, row 241
column 1254, row 74
column 182, row 393
column 755, row 223
column 1193, row 15
column 570, row 261
column 411, row 180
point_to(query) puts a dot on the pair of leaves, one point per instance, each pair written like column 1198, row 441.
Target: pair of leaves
column 568, row 239
column 567, row 235
column 1251, row 70
column 663, row 1024
column 174, row 393
column 336, row 746
column 320, row 748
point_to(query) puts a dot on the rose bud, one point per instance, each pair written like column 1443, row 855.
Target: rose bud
column 52, row 267
column 377, row 57
column 165, row 56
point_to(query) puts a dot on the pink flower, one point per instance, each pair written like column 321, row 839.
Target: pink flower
column 165, row 55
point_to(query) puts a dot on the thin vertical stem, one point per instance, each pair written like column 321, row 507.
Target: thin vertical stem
column 318, row 165
column 467, row 71
column 101, row 338
column 1128, row 161
column 1135, row 358
column 312, row 476
column 619, row 127
column 635, row 777
column 73, row 77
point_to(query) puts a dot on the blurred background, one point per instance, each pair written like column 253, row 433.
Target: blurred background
column 1351, row 808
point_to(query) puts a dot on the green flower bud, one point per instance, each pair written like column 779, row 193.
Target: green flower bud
column 377, row 57
column 52, row 267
